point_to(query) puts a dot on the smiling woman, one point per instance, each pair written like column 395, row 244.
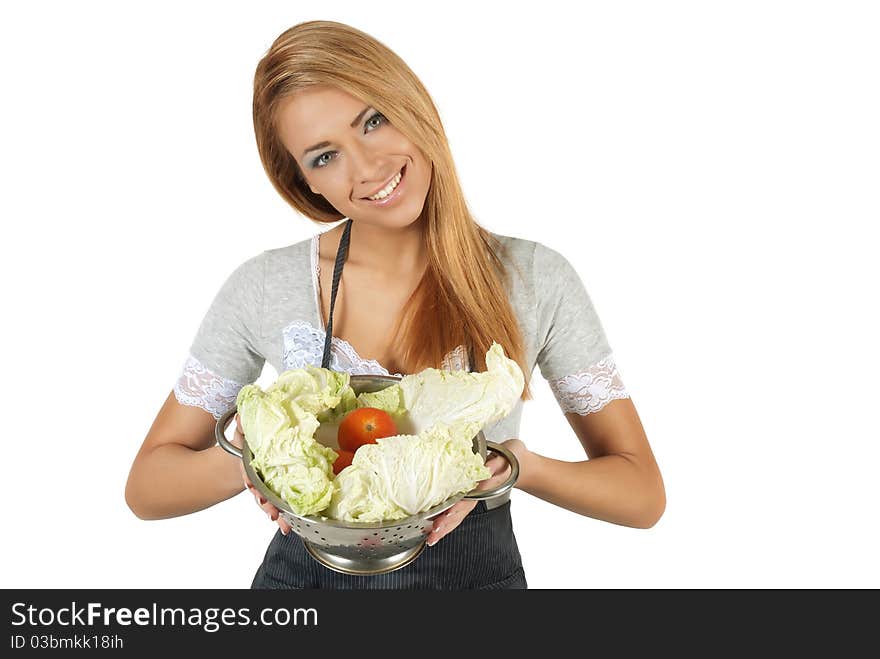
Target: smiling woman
column 366, row 168
column 346, row 131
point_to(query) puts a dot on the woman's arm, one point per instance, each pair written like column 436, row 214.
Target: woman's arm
column 620, row 483
column 179, row 469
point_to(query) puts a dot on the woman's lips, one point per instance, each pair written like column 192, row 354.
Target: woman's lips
column 395, row 194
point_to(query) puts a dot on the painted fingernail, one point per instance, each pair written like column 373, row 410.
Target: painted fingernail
column 262, row 501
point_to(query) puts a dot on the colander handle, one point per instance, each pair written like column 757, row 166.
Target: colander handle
column 479, row 495
column 220, row 433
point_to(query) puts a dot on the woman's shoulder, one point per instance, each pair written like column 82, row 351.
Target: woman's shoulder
column 300, row 250
column 512, row 243
column 276, row 261
column 512, row 250
column 532, row 258
column 285, row 269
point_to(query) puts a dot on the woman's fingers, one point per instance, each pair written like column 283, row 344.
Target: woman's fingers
column 271, row 511
column 446, row 522
column 275, row 516
column 499, row 469
column 498, row 465
column 264, row 504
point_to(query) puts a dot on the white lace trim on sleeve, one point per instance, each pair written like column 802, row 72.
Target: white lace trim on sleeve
column 590, row 390
column 200, row 387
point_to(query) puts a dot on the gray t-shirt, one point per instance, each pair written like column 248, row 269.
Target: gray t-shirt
column 268, row 310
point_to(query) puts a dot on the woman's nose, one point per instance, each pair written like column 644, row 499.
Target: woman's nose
column 368, row 165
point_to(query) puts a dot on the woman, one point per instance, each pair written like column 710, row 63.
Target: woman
column 346, row 131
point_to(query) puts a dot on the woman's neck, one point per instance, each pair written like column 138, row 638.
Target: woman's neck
column 393, row 253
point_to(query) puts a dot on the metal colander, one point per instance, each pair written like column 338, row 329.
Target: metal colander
column 358, row 547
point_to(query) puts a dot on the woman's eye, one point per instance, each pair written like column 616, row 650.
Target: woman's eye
column 320, row 161
column 376, row 120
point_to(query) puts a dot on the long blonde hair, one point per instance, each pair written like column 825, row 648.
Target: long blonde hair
column 465, row 279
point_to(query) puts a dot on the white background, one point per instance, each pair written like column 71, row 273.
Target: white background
column 711, row 170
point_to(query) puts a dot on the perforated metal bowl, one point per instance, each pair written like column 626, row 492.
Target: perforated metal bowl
column 357, row 547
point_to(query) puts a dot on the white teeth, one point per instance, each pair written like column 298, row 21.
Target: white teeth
column 387, row 190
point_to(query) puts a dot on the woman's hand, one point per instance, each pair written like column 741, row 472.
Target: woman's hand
column 273, row 513
column 448, row 520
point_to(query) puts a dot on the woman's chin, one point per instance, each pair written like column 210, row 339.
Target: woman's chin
column 399, row 219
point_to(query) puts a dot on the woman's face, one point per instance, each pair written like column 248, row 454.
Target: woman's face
column 348, row 152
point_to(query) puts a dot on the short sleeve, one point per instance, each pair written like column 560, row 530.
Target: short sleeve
column 573, row 352
column 224, row 355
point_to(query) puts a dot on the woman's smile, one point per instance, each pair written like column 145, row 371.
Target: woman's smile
column 388, row 193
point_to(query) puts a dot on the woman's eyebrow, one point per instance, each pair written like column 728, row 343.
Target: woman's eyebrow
column 321, row 145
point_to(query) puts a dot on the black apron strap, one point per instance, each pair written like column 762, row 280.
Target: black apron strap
column 341, row 255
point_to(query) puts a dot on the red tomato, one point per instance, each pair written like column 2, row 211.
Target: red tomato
column 364, row 426
column 344, row 459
